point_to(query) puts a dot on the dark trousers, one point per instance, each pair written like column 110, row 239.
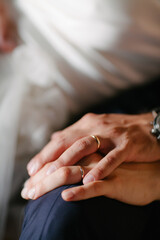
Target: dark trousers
column 51, row 218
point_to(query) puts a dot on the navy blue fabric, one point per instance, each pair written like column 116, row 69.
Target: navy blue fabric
column 51, row 218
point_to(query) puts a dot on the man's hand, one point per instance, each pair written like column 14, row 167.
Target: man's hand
column 124, row 138
column 8, row 31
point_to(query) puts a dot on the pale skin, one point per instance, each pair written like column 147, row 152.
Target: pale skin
column 124, row 138
column 8, row 31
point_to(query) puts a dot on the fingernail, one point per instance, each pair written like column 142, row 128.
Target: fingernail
column 89, row 178
column 33, row 169
column 31, row 163
column 68, row 195
column 51, row 169
column 24, row 193
column 31, row 193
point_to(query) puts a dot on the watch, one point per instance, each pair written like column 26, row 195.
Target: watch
column 156, row 123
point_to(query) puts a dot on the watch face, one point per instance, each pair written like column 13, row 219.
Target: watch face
column 157, row 123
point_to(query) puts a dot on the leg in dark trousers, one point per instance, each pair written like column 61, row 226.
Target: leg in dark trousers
column 51, row 218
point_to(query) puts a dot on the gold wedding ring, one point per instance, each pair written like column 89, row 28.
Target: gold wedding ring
column 82, row 171
column 97, row 140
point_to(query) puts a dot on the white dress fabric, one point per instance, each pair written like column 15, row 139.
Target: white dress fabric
column 73, row 54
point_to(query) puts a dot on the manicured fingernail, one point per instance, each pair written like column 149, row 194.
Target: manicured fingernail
column 68, row 195
column 51, row 169
column 89, row 178
column 31, row 193
column 24, row 193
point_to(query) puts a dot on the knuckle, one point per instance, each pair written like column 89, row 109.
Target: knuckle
column 104, row 117
column 60, row 162
column 124, row 121
column 61, row 142
column 55, row 135
column 65, row 173
column 88, row 116
column 81, row 191
column 59, row 137
column 81, row 145
column 99, row 172
column 118, row 130
column 102, row 120
column 111, row 160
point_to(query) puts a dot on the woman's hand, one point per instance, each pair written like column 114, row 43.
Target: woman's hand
column 131, row 183
column 124, row 138
column 8, row 31
column 41, row 183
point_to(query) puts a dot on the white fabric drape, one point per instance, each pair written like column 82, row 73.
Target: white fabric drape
column 9, row 119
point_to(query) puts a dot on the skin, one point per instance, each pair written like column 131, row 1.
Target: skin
column 124, row 138
column 132, row 183
column 8, row 31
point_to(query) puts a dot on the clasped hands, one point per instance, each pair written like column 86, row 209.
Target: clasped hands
column 125, row 167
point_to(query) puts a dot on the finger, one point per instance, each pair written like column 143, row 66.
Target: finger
column 87, row 163
column 49, row 153
column 87, row 191
column 78, row 150
column 63, row 176
column 112, row 160
column 91, row 160
column 39, row 176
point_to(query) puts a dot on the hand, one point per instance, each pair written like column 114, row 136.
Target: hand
column 124, row 138
column 131, row 183
column 8, row 31
column 41, row 183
